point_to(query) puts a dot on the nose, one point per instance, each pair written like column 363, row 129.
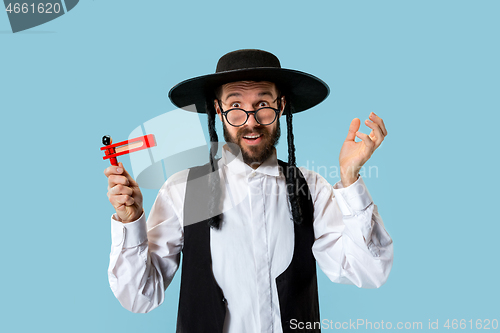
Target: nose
column 252, row 122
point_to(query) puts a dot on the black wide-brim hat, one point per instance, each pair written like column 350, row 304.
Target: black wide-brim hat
column 303, row 89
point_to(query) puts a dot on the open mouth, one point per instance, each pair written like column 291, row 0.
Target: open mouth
column 252, row 139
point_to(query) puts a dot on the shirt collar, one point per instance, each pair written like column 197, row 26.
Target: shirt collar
column 236, row 165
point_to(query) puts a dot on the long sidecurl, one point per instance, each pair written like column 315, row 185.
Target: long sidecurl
column 291, row 174
column 215, row 220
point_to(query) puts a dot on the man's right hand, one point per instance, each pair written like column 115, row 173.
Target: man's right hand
column 124, row 194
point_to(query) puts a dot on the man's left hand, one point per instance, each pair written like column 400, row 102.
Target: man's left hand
column 354, row 155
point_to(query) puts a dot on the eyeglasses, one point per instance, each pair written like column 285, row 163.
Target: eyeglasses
column 238, row 117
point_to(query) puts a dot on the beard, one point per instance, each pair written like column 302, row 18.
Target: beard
column 253, row 154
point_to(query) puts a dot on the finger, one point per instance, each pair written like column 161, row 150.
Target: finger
column 119, row 200
column 379, row 121
column 366, row 139
column 121, row 190
column 353, row 128
column 114, row 170
column 121, row 207
column 114, row 180
column 376, row 135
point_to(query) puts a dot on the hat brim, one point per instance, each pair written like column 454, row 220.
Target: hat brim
column 306, row 90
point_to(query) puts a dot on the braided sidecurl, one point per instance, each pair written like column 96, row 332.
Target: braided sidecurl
column 291, row 175
column 214, row 179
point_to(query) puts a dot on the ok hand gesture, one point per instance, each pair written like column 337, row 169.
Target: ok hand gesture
column 354, row 155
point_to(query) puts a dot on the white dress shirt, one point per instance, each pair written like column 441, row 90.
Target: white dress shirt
column 254, row 245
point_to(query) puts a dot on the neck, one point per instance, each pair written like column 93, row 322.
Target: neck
column 236, row 151
column 254, row 165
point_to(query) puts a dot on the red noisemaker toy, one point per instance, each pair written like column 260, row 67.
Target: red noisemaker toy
column 125, row 147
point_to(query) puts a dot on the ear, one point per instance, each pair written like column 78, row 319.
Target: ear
column 283, row 103
column 217, row 109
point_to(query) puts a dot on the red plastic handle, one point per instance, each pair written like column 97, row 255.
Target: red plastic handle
column 128, row 146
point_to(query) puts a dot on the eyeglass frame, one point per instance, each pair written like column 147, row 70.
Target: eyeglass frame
column 276, row 111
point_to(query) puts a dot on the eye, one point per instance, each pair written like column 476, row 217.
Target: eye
column 263, row 104
column 235, row 105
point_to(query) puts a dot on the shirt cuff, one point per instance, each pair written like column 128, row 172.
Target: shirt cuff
column 352, row 199
column 130, row 234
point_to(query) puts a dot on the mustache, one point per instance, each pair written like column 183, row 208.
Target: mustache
column 244, row 131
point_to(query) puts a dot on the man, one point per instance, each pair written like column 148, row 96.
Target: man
column 250, row 227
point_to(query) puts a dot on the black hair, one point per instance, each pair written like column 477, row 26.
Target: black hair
column 291, row 170
column 214, row 179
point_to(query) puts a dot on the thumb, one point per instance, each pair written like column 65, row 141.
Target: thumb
column 353, row 128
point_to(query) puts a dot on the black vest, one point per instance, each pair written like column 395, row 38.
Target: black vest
column 202, row 306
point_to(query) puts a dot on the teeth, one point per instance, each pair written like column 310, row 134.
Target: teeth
column 252, row 136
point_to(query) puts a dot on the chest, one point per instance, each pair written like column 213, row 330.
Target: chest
column 257, row 226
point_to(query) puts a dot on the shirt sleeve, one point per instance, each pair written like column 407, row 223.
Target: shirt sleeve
column 145, row 255
column 351, row 244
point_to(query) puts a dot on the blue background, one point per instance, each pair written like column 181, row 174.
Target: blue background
column 430, row 69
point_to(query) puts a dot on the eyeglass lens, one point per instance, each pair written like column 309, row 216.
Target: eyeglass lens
column 264, row 116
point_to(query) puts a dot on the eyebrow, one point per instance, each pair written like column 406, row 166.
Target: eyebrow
column 263, row 93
